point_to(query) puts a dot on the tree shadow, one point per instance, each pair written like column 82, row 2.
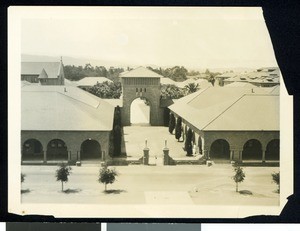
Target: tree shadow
column 23, row 191
column 69, row 191
column 114, row 191
column 245, row 192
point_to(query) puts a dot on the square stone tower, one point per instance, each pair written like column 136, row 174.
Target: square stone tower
column 142, row 83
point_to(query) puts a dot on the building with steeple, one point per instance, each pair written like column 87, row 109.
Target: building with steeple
column 44, row 73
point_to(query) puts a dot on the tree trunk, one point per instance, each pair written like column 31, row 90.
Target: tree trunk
column 105, row 187
column 62, row 186
column 236, row 187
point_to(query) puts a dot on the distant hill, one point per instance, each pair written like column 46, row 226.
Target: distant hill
column 72, row 61
column 67, row 60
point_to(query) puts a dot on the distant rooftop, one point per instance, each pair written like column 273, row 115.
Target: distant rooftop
column 91, row 81
column 43, row 69
column 140, row 72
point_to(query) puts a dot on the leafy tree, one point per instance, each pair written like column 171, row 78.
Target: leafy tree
column 193, row 73
column 212, row 80
column 192, row 87
column 178, row 128
column 239, row 176
column 62, row 174
column 276, row 179
column 22, row 177
column 107, row 90
column 78, row 72
column 207, row 72
column 171, row 123
column 171, row 91
column 107, row 176
column 188, row 142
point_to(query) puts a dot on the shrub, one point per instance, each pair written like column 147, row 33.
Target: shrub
column 62, row 174
column 117, row 140
column 107, row 176
column 276, row 179
column 188, row 143
column 178, row 128
column 239, row 176
column 171, row 123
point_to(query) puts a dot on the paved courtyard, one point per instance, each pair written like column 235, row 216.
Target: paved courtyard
column 135, row 137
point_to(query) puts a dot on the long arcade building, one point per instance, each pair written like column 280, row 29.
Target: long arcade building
column 232, row 123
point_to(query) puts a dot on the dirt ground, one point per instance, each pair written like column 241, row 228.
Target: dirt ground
column 185, row 184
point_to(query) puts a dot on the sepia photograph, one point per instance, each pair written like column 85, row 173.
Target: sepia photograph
column 144, row 112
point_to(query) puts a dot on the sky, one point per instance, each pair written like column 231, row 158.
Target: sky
column 194, row 37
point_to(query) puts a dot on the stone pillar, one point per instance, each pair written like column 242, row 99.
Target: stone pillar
column 206, row 153
column 146, row 156
column 166, row 156
column 231, row 155
column 78, row 161
column 240, row 151
column 264, row 156
column 45, row 157
column 69, row 157
column 78, row 156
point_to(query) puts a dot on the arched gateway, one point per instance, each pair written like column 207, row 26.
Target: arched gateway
column 145, row 84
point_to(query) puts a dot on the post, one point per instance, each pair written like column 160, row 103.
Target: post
column 166, row 156
column 146, row 156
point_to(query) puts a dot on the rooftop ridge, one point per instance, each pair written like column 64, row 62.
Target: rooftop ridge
column 77, row 99
column 224, row 111
column 199, row 93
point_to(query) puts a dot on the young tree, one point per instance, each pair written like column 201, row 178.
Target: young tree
column 276, row 179
column 239, row 176
column 107, row 176
column 188, row 143
column 178, row 128
column 171, row 123
column 62, row 174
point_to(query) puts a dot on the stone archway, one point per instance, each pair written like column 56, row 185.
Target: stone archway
column 57, row 150
column 252, row 150
column 272, row 150
column 219, row 150
column 90, row 150
column 142, row 83
column 140, row 111
column 32, row 150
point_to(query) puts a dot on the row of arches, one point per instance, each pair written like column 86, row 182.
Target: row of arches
column 252, row 150
column 57, row 150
